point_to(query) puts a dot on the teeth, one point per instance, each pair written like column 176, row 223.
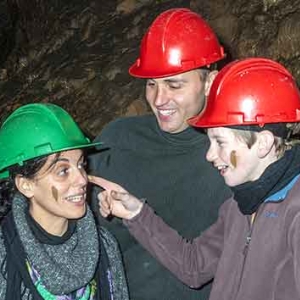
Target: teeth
column 222, row 167
column 166, row 112
column 77, row 198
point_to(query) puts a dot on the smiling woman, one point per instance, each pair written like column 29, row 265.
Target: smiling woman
column 50, row 246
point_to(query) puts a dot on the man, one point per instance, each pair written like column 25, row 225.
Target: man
column 159, row 157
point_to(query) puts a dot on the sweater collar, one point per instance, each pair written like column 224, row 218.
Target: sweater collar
column 187, row 136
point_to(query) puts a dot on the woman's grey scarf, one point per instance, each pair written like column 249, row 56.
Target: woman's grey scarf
column 64, row 267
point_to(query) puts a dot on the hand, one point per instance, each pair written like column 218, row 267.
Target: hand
column 115, row 200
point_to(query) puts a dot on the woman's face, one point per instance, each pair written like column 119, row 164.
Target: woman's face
column 58, row 191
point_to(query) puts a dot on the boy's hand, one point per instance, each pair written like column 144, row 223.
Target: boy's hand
column 115, row 200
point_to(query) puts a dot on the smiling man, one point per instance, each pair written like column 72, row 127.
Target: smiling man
column 158, row 156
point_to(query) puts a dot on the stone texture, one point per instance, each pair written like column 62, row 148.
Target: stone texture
column 77, row 53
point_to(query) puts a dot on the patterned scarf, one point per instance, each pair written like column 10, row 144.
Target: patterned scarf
column 58, row 263
column 87, row 292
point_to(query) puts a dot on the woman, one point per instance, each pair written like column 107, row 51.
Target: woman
column 50, row 246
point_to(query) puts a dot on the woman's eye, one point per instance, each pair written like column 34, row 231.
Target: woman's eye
column 82, row 165
column 63, row 171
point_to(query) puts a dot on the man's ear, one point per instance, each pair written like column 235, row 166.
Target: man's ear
column 24, row 185
column 209, row 80
column 266, row 142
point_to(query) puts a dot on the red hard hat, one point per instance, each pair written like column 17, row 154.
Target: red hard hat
column 253, row 91
column 178, row 40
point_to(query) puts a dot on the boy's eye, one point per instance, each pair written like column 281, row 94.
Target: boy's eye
column 175, row 86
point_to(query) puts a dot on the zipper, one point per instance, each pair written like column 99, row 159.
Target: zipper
column 245, row 251
column 248, row 237
column 251, row 222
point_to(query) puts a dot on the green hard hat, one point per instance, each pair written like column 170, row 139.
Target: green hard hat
column 35, row 130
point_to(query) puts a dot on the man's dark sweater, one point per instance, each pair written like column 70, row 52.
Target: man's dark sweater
column 170, row 171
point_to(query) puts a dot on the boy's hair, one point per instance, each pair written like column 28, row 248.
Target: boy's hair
column 281, row 144
column 203, row 74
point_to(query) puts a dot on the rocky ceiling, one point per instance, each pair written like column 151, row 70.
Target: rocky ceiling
column 76, row 53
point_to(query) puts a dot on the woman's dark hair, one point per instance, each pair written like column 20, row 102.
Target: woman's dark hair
column 7, row 186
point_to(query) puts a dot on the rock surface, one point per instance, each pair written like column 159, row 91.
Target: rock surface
column 76, row 53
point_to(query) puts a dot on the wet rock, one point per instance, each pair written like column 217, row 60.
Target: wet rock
column 77, row 53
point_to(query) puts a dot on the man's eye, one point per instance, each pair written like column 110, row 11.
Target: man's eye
column 150, row 83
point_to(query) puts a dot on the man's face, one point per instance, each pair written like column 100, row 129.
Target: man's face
column 175, row 99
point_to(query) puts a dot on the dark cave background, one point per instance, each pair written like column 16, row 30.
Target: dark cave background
column 76, row 53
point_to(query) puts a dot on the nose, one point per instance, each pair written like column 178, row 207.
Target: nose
column 161, row 96
column 80, row 178
column 210, row 154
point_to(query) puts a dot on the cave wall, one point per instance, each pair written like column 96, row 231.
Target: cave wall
column 77, row 53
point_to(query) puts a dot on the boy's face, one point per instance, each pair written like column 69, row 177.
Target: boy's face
column 232, row 157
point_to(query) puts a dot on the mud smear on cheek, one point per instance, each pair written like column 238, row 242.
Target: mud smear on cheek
column 54, row 193
column 233, row 158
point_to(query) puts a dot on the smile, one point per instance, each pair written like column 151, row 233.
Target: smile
column 222, row 169
column 166, row 112
column 76, row 198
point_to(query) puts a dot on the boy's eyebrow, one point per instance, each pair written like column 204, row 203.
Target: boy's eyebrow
column 214, row 135
column 217, row 136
